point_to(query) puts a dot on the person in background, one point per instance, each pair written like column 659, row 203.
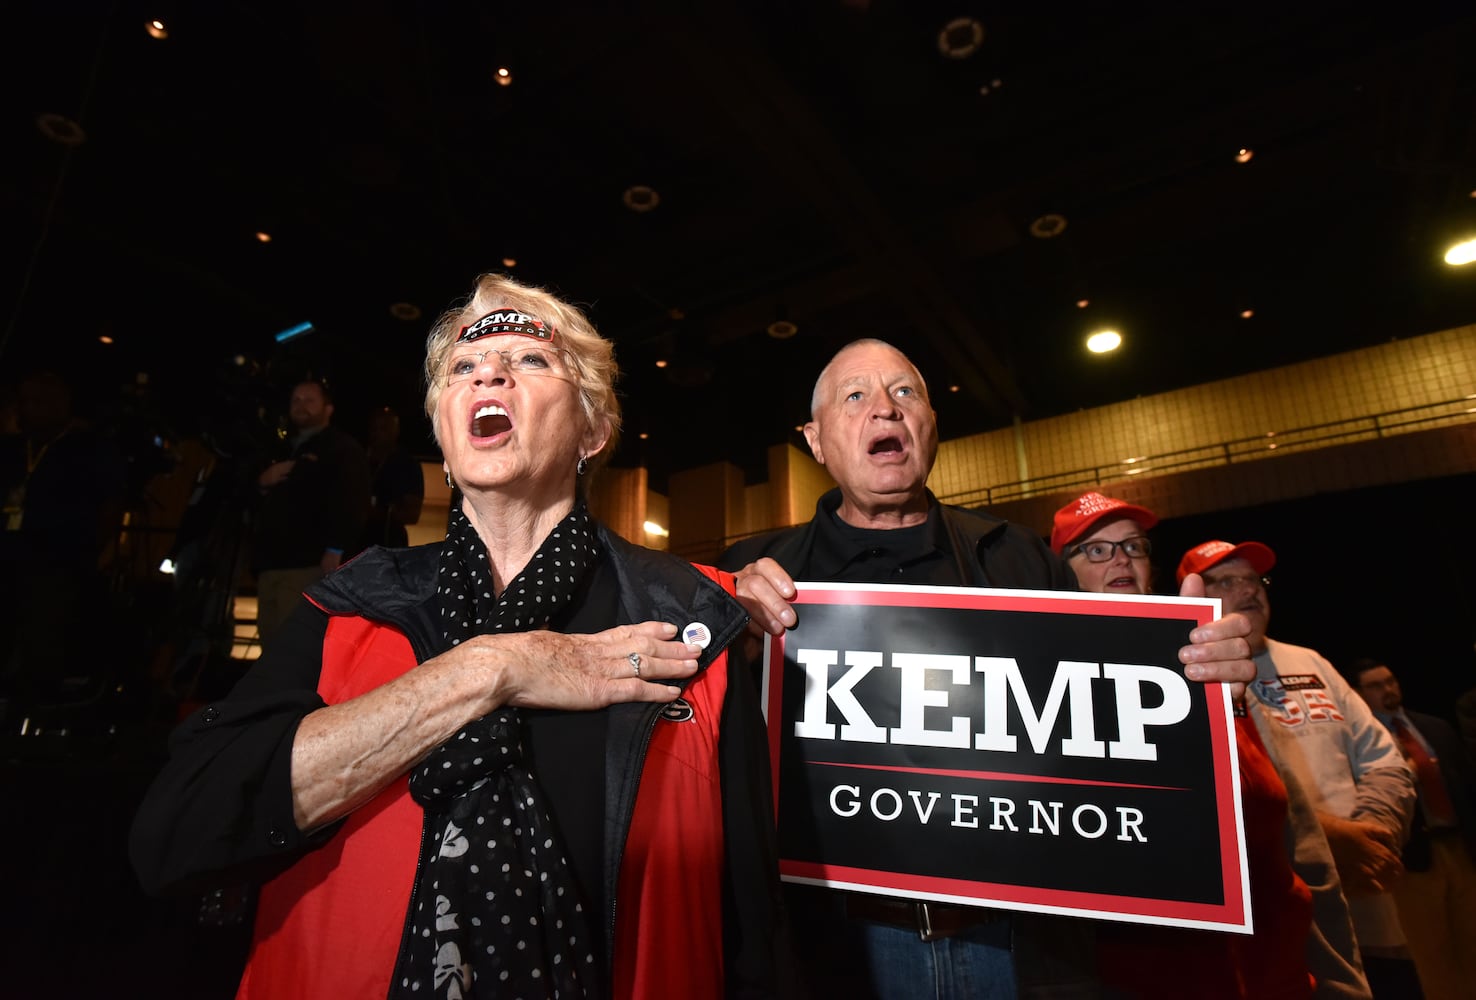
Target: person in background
column 312, row 508
column 873, row 428
column 1437, row 896
column 1321, row 732
column 1303, row 944
column 510, row 763
column 63, row 485
column 397, row 488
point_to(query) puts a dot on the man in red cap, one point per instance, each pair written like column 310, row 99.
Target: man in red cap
column 1318, row 727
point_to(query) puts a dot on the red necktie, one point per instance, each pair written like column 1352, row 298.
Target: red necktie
column 1438, row 809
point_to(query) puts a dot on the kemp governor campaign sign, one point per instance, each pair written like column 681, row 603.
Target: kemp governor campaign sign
column 1019, row 749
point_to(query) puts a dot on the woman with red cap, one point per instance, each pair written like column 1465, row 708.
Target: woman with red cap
column 1104, row 541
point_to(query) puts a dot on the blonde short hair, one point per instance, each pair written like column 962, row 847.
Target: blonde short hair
column 594, row 356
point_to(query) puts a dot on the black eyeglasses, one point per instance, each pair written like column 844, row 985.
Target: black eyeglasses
column 1101, row 550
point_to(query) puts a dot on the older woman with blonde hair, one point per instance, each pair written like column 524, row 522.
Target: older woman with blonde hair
column 513, row 763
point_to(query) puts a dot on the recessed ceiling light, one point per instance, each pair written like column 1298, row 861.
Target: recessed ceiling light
column 643, row 435
column 661, row 362
column 509, row 262
column 1049, row 225
column 781, row 329
column 953, row 388
column 156, row 29
column 961, row 37
column 1103, row 341
column 105, row 339
column 61, row 129
column 263, row 237
column 799, row 428
column 1247, row 313
column 409, row 312
column 1244, row 155
column 1083, row 303
column 504, row 77
column 640, row 198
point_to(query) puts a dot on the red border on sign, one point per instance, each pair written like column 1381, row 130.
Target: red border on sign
column 1233, row 914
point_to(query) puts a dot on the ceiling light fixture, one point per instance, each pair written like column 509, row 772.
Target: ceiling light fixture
column 1048, row 226
column 407, row 312
column 509, row 262
column 1103, row 341
column 661, row 362
column 263, row 237
column 961, row 37
column 1083, row 303
column 156, row 29
column 781, row 329
column 953, row 388
column 643, row 435
column 60, row 129
column 504, row 77
column 640, row 198
column 1461, row 253
column 1247, row 313
column 1244, row 155
column 105, row 339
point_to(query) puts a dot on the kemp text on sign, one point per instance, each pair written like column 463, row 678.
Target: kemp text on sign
column 1019, row 749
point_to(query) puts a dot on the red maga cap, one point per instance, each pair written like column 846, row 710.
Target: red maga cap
column 1207, row 554
column 1077, row 517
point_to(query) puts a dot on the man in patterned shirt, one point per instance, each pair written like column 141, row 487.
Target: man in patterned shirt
column 1314, row 723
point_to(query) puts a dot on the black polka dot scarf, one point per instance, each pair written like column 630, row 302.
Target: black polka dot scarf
column 495, row 911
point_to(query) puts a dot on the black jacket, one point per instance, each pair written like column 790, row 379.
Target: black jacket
column 1460, row 782
column 222, row 806
column 322, row 504
column 989, row 551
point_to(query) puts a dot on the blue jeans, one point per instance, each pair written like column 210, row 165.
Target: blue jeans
column 975, row 964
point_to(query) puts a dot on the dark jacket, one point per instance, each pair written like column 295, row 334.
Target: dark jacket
column 223, row 803
column 990, row 551
column 322, row 504
column 1053, row 956
column 1460, row 782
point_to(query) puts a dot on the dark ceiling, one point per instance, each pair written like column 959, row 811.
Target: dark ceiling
column 824, row 163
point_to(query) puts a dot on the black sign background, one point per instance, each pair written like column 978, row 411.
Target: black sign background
column 1185, row 873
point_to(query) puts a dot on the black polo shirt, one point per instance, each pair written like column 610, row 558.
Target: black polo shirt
column 844, row 553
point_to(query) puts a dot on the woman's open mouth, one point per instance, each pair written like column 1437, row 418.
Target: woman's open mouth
column 490, row 420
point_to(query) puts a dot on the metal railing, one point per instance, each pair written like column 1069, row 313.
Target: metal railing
column 1266, row 445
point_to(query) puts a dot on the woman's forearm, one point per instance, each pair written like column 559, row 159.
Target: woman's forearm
column 344, row 754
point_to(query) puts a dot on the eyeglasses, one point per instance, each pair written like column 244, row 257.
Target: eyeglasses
column 1229, row 584
column 1101, row 550
column 519, row 361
